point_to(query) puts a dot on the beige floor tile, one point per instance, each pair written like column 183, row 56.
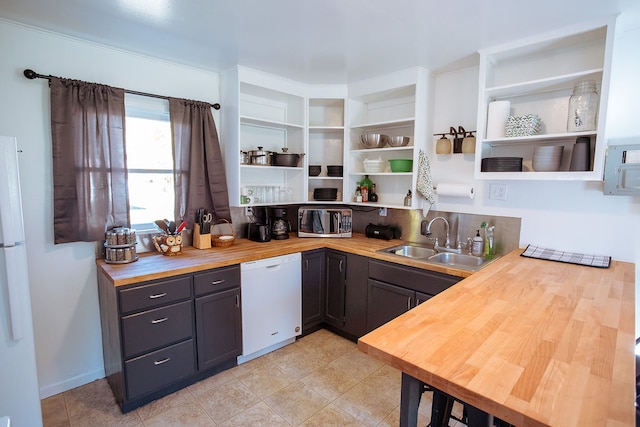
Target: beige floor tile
column 178, row 399
column 54, row 411
column 187, row 414
column 296, row 403
column 95, row 401
column 332, row 416
column 266, row 380
column 368, row 403
column 258, row 415
column 302, row 362
column 329, row 382
column 356, row 364
column 227, row 401
column 212, row 382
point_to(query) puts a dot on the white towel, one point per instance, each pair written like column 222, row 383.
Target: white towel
column 424, row 184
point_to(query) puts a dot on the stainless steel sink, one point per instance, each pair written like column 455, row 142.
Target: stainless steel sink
column 430, row 256
column 463, row 260
column 409, row 251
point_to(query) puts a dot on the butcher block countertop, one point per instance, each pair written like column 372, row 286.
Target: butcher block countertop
column 152, row 266
column 533, row 342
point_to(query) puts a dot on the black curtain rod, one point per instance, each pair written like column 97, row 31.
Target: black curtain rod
column 30, row 74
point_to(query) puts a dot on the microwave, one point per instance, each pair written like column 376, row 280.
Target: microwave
column 324, row 222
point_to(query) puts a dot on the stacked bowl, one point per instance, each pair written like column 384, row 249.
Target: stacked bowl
column 547, row 158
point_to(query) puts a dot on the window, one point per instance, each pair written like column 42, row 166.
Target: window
column 149, row 160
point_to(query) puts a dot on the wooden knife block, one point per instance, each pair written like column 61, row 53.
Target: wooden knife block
column 201, row 241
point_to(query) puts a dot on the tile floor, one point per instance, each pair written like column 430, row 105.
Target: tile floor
column 320, row 380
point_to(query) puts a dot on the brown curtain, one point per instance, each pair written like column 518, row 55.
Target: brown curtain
column 89, row 165
column 199, row 175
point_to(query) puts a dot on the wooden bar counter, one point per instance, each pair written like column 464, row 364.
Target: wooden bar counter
column 532, row 342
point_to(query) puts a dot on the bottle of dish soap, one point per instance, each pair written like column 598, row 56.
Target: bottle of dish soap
column 477, row 246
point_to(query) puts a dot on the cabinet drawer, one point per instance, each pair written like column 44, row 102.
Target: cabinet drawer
column 429, row 282
column 216, row 280
column 155, row 328
column 156, row 370
column 154, row 294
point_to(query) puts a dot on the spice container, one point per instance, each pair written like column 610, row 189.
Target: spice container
column 120, row 246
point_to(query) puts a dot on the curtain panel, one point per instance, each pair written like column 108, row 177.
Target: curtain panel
column 89, row 162
column 199, row 175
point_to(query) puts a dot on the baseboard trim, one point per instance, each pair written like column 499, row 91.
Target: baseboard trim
column 70, row 383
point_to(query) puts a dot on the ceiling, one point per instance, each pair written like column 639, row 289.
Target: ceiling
column 313, row 41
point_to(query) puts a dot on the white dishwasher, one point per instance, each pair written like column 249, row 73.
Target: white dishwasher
column 271, row 304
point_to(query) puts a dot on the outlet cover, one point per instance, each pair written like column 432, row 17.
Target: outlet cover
column 498, row 192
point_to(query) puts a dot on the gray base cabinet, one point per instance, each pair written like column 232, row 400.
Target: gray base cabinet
column 394, row 289
column 313, row 289
column 346, row 292
column 160, row 336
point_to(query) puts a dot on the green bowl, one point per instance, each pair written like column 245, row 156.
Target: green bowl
column 401, row 165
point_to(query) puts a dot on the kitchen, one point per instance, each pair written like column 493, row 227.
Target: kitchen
column 68, row 340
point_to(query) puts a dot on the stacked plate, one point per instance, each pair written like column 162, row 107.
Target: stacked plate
column 325, row 194
column 501, row 164
column 548, row 158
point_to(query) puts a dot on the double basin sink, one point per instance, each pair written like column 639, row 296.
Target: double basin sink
column 427, row 255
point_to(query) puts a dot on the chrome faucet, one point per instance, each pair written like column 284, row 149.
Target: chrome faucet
column 447, row 244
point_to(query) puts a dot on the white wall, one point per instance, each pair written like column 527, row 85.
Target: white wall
column 573, row 216
column 63, row 277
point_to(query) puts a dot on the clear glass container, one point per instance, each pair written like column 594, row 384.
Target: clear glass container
column 583, row 107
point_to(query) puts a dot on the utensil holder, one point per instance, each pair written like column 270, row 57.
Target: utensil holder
column 201, row 241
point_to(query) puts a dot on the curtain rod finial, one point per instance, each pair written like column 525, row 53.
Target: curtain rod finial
column 216, row 106
column 30, row 74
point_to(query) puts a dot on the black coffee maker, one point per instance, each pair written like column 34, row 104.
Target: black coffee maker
column 280, row 225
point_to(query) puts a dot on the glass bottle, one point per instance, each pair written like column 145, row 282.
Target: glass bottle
column 583, row 107
column 365, row 188
column 373, row 196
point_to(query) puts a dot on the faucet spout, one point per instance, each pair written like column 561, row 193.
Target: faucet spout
column 447, row 243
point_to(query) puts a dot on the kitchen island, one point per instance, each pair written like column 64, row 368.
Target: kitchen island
column 532, row 342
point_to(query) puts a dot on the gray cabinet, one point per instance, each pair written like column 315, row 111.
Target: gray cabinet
column 313, row 287
column 218, row 316
column 346, row 292
column 394, row 289
column 162, row 335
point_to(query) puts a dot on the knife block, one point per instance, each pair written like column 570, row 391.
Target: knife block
column 200, row 241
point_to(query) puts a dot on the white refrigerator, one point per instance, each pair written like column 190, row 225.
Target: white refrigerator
column 19, row 394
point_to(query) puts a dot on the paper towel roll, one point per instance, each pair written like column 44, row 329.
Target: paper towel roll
column 497, row 117
column 455, row 190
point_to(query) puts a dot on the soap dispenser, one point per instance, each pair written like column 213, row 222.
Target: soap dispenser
column 477, row 245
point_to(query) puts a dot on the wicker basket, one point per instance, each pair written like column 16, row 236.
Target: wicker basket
column 223, row 240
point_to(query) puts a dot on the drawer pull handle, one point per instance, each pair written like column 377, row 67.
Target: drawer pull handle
column 160, row 362
column 217, row 282
column 164, row 319
column 164, row 294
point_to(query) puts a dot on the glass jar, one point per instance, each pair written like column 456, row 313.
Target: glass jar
column 583, row 107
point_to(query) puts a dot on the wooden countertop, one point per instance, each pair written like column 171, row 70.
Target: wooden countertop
column 153, row 265
column 533, row 342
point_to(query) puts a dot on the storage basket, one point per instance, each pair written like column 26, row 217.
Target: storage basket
column 223, row 240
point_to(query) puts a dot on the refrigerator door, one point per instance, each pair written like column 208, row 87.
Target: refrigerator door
column 11, row 227
column 19, row 394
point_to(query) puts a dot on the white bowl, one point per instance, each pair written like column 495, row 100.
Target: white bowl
column 374, row 165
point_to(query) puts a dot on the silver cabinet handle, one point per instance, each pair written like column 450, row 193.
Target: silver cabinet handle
column 164, row 319
column 340, row 266
column 306, row 263
column 160, row 362
column 238, row 301
column 217, row 282
column 164, row 294
column 408, row 303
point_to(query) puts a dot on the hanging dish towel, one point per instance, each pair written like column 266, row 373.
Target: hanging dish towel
column 424, row 184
